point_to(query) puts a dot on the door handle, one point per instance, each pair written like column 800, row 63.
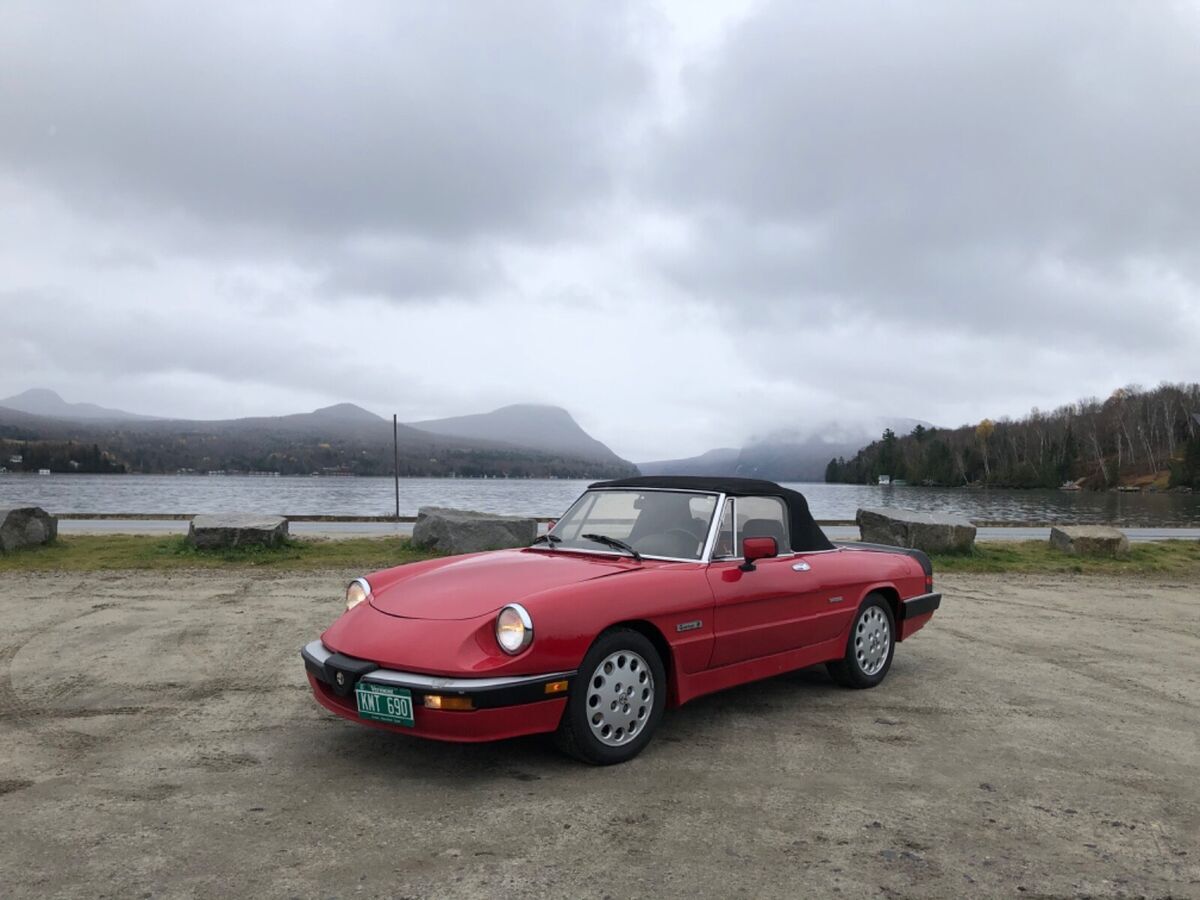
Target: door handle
column 801, row 567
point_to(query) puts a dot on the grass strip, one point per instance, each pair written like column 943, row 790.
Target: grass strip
column 1172, row 559
column 94, row 553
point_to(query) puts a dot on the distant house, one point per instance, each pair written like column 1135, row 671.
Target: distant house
column 885, row 479
column 16, row 459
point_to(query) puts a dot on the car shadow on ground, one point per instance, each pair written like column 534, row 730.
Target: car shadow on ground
column 534, row 757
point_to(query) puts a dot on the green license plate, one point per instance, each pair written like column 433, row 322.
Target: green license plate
column 384, row 703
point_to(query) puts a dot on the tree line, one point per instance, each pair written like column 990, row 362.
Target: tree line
column 1148, row 436
column 57, row 456
column 120, row 451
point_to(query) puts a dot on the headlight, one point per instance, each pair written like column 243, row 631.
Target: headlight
column 514, row 629
column 356, row 592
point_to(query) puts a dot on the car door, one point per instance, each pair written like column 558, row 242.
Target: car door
column 767, row 610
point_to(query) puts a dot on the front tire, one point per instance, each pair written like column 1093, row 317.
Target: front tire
column 617, row 700
column 870, row 647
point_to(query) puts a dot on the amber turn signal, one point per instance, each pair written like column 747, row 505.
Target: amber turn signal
column 437, row 701
column 556, row 687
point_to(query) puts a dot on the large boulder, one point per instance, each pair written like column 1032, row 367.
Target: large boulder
column 26, row 526
column 931, row 532
column 466, row 531
column 1089, row 540
column 221, row 532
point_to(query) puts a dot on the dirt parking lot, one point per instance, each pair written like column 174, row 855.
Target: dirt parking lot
column 1040, row 738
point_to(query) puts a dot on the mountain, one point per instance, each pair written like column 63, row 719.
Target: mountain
column 546, row 428
column 340, row 439
column 787, row 455
column 345, row 414
column 341, row 419
column 722, row 461
column 43, row 402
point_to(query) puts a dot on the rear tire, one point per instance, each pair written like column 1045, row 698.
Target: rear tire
column 870, row 647
column 616, row 701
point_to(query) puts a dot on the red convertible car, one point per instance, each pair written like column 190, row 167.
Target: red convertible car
column 648, row 592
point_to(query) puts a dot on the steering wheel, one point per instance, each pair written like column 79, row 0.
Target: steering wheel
column 684, row 533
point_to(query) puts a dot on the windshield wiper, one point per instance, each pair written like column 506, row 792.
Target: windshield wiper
column 613, row 542
column 547, row 538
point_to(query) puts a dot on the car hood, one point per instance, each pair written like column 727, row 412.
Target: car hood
column 464, row 587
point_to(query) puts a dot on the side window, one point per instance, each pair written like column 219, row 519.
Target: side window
column 723, row 549
column 762, row 517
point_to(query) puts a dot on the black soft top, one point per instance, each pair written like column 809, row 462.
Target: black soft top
column 806, row 535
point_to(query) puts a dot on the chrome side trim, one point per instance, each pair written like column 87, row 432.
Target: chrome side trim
column 437, row 683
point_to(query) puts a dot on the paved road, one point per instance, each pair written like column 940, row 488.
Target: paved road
column 382, row 529
column 1038, row 739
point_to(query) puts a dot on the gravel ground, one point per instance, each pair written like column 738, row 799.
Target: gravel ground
column 1040, row 738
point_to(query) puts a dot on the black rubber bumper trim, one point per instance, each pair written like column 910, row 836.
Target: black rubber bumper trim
column 920, row 605
column 349, row 668
column 490, row 698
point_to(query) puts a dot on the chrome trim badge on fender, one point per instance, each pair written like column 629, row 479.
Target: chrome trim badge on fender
column 690, row 626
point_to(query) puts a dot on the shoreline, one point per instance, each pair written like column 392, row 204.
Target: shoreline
column 345, row 527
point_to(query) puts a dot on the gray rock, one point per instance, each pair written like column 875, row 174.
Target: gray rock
column 1089, row 540
column 931, row 532
column 465, row 531
column 220, row 532
column 26, row 526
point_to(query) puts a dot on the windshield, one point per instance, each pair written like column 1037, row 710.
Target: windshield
column 670, row 524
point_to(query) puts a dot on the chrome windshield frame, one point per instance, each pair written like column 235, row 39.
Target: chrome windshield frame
column 709, row 541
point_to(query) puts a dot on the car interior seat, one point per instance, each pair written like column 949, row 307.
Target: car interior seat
column 766, row 528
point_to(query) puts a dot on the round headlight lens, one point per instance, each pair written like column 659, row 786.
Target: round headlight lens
column 514, row 629
column 356, row 592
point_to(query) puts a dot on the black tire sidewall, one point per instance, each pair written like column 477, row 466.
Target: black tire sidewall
column 585, row 744
column 854, row 671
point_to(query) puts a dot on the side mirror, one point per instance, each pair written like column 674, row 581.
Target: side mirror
column 755, row 549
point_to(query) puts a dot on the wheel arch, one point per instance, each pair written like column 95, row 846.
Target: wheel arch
column 650, row 632
column 889, row 593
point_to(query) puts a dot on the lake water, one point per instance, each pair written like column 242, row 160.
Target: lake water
column 374, row 496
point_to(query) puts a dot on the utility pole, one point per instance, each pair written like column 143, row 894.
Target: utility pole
column 396, row 463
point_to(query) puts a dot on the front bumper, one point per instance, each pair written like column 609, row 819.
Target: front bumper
column 503, row 707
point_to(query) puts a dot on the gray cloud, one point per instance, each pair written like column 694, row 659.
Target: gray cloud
column 950, row 163
column 688, row 223
column 395, row 117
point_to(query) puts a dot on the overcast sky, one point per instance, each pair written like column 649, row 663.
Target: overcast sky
column 687, row 224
